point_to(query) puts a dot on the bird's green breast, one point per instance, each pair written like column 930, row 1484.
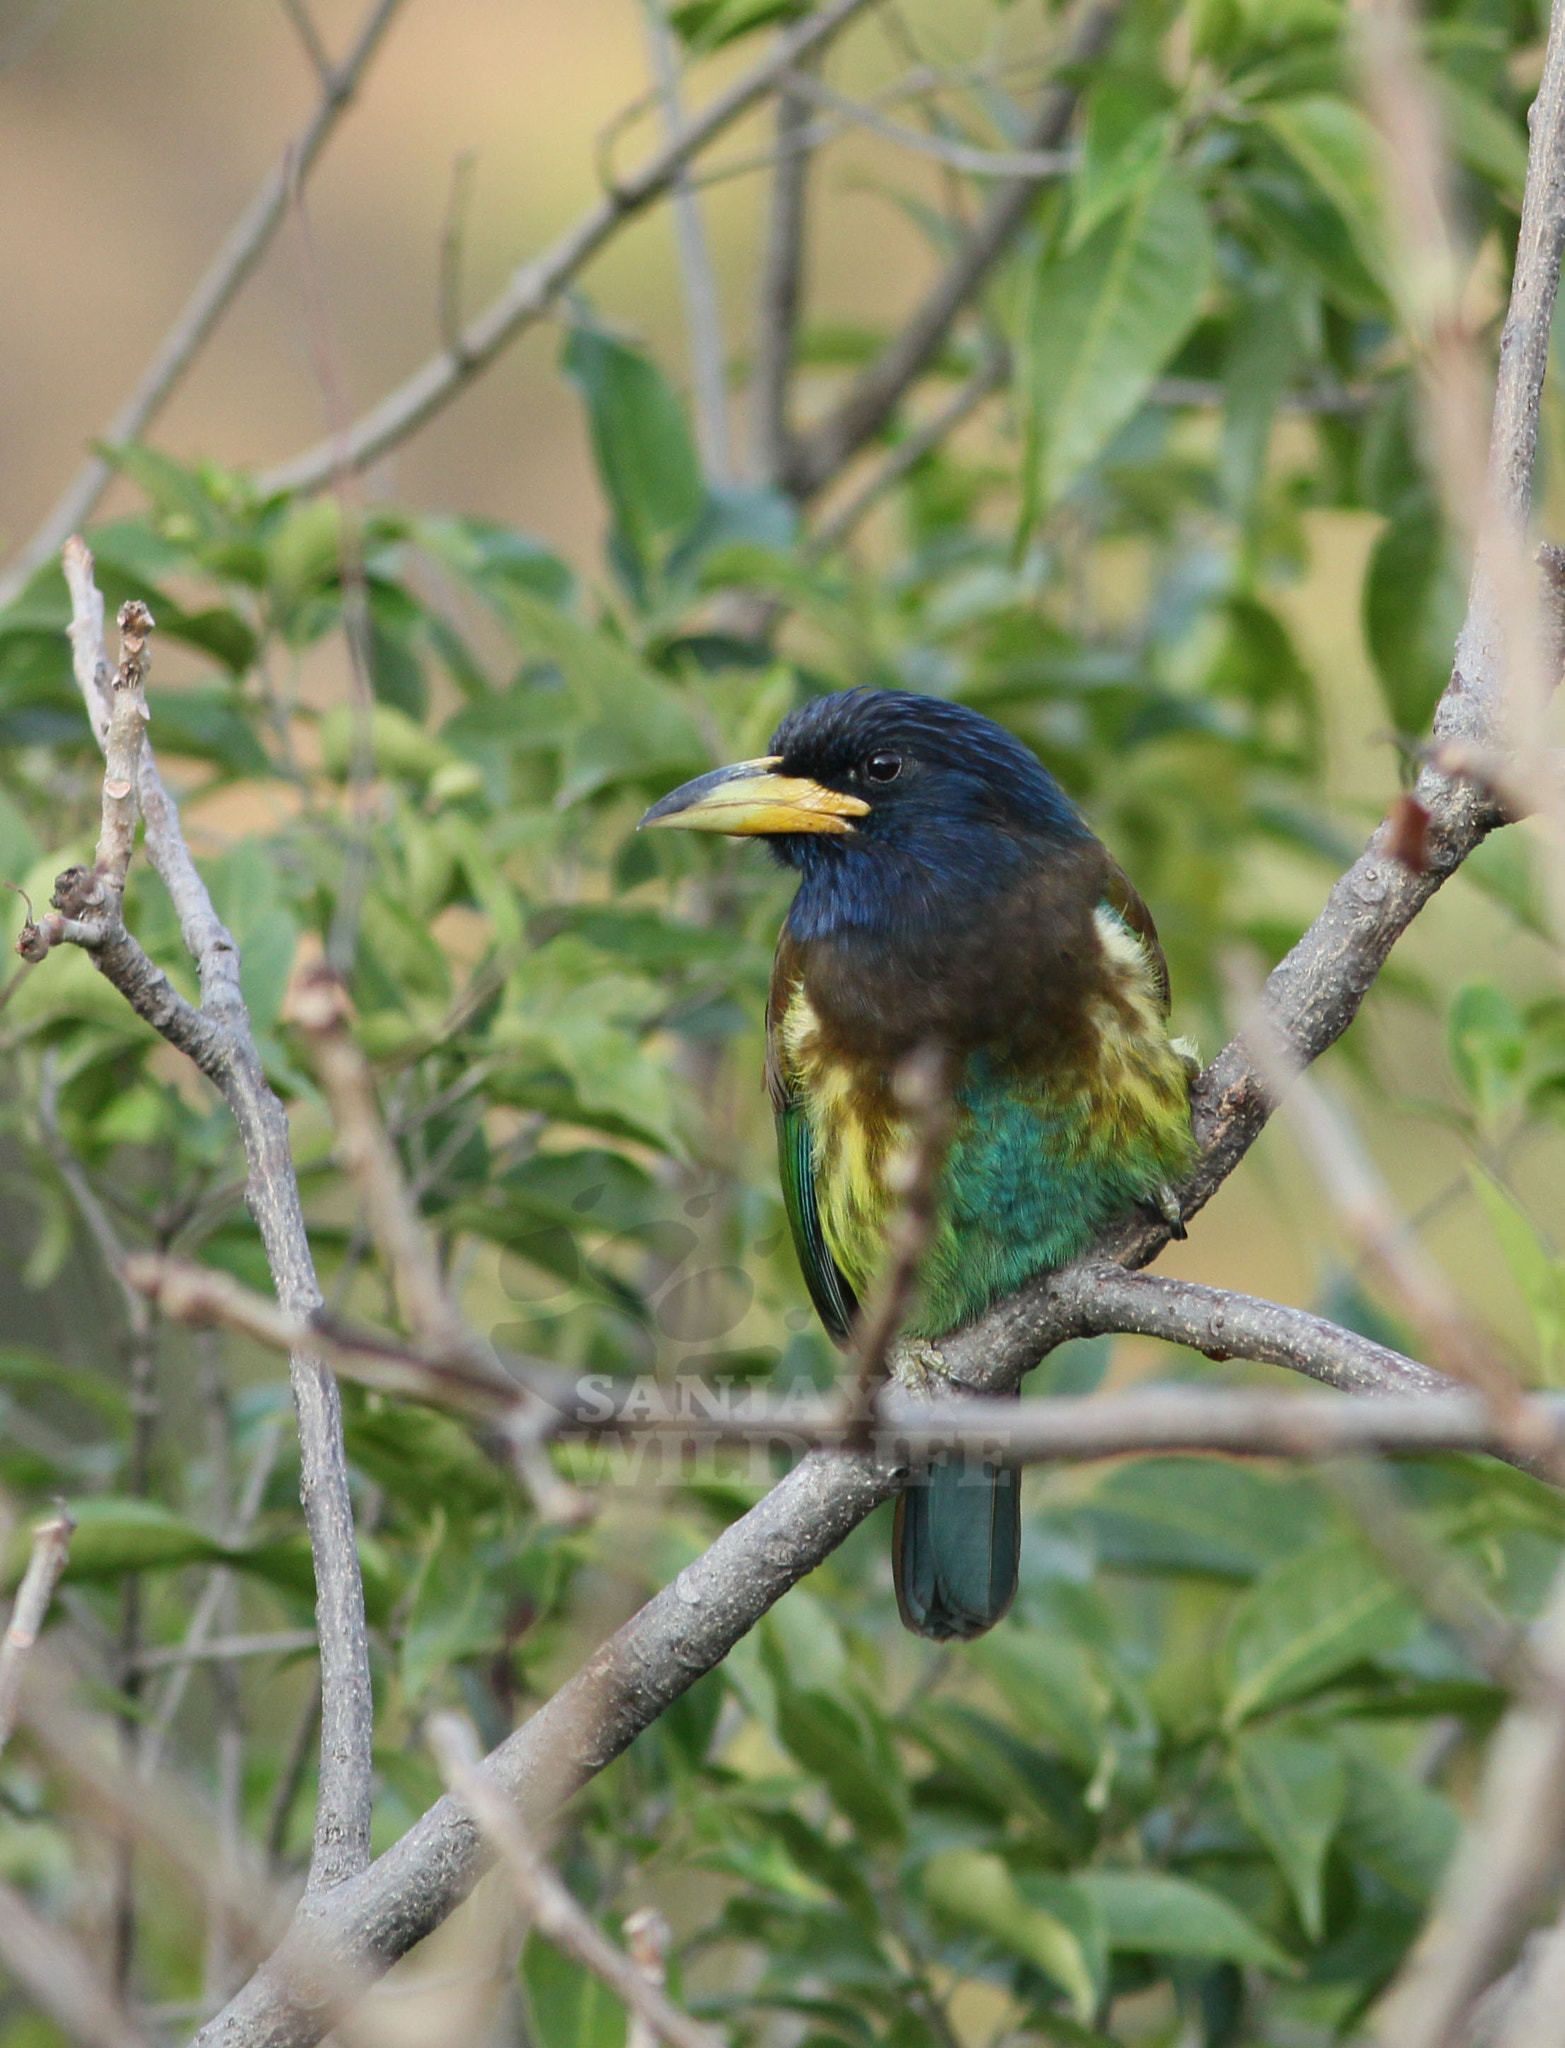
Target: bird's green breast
column 1054, row 1135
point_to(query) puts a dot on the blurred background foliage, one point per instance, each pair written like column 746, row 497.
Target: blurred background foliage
column 1199, row 1785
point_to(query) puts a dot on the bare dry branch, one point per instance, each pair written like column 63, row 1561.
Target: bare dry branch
column 780, row 294
column 922, row 1090
column 217, row 1037
column 1505, row 1857
column 233, row 263
column 958, row 156
column 826, row 449
column 536, row 286
column 1412, row 1408
column 703, row 310
column 47, row 1559
column 122, row 749
column 542, row 1895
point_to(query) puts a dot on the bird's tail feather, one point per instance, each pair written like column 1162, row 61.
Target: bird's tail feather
column 956, row 1548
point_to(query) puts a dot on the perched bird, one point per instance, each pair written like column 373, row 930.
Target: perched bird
column 950, row 897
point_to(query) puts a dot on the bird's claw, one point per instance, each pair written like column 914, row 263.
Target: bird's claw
column 914, row 1363
column 1166, row 1203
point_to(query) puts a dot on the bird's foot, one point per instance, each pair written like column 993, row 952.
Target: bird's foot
column 1165, row 1202
column 1189, row 1055
column 914, row 1364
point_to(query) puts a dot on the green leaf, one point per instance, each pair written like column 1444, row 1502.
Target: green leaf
column 21, row 1365
column 1335, row 147
column 1486, row 1039
column 626, row 723
column 116, row 1535
column 708, row 24
column 1292, row 1792
column 1402, row 1830
column 646, row 460
column 1105, row 319
column 1308, row 1620
column 1487, row 141
column 1125, row 149
column 977, row 1890
column 1263, row 348
column 832, row 1738
column 1049, row 1683
column 395, row 623
column 1148, row 1912
column 1201, row 1515
column 569, row 2006
column 1414, row 599
column 1539, row 1276
column 209, row 725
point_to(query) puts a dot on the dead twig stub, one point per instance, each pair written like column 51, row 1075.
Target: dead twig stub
column 545, row 1899
column 51, row 1549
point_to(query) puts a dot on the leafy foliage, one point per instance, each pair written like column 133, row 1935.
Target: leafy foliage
column 1191, row 1775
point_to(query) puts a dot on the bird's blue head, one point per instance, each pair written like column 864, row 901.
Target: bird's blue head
column 894, row 808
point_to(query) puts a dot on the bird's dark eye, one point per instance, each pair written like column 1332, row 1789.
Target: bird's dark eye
column 883, row 767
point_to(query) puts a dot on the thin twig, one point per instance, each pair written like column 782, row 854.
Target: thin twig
column 957, row 156
column 235, row 260
column 279, row 1642
column 59, row 1979
column 310, row 36
column 452, row 235
column 51, row 1548
column 703, row 310
column 922, row 1090
column 908, row 453
column 535, row 287
column 780, row 294
column 542, row 1895
column 871, row 401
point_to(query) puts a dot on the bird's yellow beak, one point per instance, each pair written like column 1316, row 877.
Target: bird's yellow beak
column 751, row 799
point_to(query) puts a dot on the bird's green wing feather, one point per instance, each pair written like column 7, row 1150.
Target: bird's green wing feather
column 835, row 1302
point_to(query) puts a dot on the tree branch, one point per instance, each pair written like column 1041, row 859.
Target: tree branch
column 780, row 295
column 536, row 285
column 1310, row 1000
column 233, row 263
column 543, row 1896
column 217, row 1037
column 47, row 1559
column 1413, row 1407
column 977, row 162
column 703, row 312
column 822, row 453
